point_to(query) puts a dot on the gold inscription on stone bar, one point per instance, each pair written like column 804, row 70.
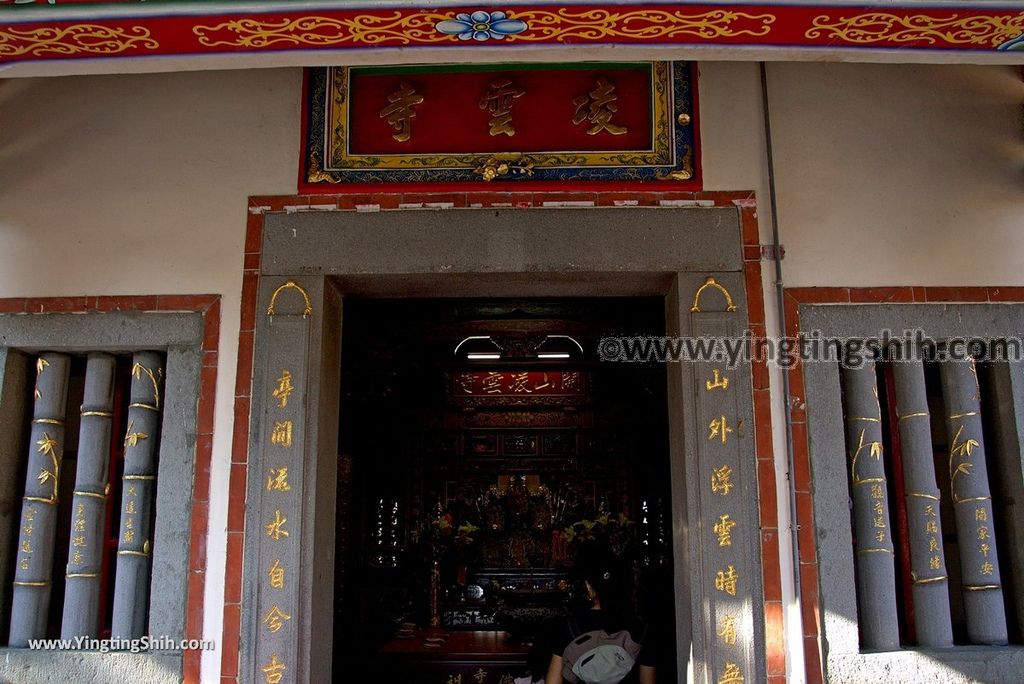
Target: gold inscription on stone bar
column 719, row 381
column 273, row 671
column 276, row 573
column 284, row 388
column 277, row 480
column 731, row 674
column 727, row 629
column 275, row 618
column 726, row 580
column 721, row 480
column 719, row 428
column 275, row 528
column 723, row 528
column 281, row 434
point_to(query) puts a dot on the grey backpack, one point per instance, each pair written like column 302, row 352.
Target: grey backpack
column 597, row 657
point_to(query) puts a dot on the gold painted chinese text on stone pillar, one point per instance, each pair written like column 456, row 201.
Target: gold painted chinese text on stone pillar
column 729, row 540
column 276, row 494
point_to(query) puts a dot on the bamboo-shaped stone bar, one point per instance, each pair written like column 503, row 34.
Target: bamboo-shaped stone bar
column 972, row 505
column 34, row 569
column 876, row 573
column 932, row 624
column 89, row 504
column 131, row 587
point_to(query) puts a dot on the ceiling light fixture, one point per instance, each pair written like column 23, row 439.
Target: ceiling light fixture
column 559, row 347
column 478, row 348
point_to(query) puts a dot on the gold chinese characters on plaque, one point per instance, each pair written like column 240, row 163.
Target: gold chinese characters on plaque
column 629, row 121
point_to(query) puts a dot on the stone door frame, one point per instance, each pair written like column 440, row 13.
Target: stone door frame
column 309, row 261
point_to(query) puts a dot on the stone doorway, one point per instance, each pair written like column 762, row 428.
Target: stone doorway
column 312, row 261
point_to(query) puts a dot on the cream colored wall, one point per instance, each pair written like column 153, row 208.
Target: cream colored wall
column 899, row 175
column 138, row 184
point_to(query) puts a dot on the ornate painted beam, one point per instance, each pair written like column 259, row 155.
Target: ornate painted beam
column 70, row 30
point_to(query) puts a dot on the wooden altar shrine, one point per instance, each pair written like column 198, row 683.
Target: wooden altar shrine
column 473, row 476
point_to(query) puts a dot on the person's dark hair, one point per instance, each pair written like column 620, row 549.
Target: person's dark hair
column 607, row 576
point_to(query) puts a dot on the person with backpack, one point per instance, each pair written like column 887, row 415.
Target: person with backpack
column 604, row 643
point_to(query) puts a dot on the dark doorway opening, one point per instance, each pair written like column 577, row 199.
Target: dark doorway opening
column 482, row 445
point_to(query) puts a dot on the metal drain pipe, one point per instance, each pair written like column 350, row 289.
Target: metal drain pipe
column 780, row 303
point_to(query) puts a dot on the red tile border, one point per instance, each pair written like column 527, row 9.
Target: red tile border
column 775, row 644
column 233, row 584
column 794, row 297
column 956, row 294
column 878, row 295
column 771, row 570
column 766, row 495
column 770, row 556
column 812, row 659
column 209, row 307
column 56, row 304
column 236, row 497
column 230, row 640
column 742, row 201
column 229, row 645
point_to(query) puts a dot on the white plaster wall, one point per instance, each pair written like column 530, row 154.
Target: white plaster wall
column 899, row 175
column 138, row 184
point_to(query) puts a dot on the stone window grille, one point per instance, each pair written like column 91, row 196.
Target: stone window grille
column 917, row 468
column 83, row 542
column 933, row 562
column 97, row 450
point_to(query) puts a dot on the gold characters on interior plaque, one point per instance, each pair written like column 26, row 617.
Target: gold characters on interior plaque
column 401, row 109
